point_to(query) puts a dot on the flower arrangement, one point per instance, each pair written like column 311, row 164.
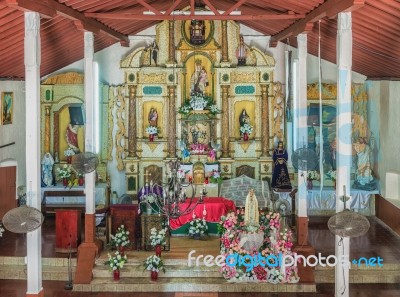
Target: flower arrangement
column 117, row 261
column 215, row 177
column 331, row 174
column 69, row 152
column 199, row 102
column 157, row 238
column 246, row 128
column 151, row 130
column 1, row 230
column 197, row 227
column 313, row 175
column 121, row 237
column 154, row 263
column 64, row 172
column 276, row 241
column 150, row 198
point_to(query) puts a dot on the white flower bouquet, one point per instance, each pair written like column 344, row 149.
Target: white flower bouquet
column 1, row 230
column 331, row 174
column 246, row 128
column 157, row 237
column 69, row 152
column 197, row 226
column 154, row 263
column 214, row 109
column 121, row 237
column 64, row 172
column 117, row 261
column 151, row 130
column 313, row 175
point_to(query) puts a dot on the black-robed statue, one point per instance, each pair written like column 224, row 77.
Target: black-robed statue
column 280, row 174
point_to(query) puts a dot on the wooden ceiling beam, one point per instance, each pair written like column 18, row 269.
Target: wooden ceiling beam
column 328, row 9
column 236, row 6
column 67, row 12
column 211, row 7
column 162, row 17
column 149, row 7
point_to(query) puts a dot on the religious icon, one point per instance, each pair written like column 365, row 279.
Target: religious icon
column 241, row 52
column 197, row 32
column 198, row 80
column 153, row 117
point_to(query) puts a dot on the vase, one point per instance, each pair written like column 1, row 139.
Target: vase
column 158, row 250
column 121, row 250
column 309, row 184
column 154, row 275
column 116, row 274
column 151, row 137
column 334, row 183
column 81, row 181
column 69, row 159
column 65, row 182
column 245, row 136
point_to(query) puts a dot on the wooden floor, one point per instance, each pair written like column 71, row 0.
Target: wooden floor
column 379, row 241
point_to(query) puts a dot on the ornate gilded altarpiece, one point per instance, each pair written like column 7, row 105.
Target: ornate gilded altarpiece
column 193, row 80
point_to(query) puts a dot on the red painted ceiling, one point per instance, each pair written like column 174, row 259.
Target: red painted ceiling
column 376, row 28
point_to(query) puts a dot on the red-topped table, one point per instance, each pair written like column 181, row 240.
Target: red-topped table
column 215, row 207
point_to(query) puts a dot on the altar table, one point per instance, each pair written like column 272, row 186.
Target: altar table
column 215, row 207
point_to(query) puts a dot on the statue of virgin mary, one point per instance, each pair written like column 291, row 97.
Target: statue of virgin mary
column 251, row 210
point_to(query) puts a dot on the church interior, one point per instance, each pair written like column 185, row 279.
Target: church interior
column 199, row 148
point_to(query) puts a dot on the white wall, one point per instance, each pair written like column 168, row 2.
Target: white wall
column 14, row 154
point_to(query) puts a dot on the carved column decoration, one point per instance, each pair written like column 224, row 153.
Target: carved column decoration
column 225, row 121
column 47, row 129
column 264, row 122
column 224, row 53
column 132, row 130
column 171, row 48
column 172, row 121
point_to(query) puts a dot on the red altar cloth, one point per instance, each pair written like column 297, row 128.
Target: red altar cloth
column 215, row 207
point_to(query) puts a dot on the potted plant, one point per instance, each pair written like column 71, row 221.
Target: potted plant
column 215, row 177
column 64, row 173
column 246, row 130
column 115, row 263
column 157, row 239
column 311, row 175
column 151, row 130
column 69, row 152
column 121, row 239
column 154, row 264
column 332, row 176
column 197, row 227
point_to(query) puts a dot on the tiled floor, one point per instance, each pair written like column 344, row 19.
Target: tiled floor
column 379, row 241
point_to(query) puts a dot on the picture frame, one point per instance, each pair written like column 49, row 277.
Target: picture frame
column 7, row 106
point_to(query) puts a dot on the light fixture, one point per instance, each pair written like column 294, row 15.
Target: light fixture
column 171, row 200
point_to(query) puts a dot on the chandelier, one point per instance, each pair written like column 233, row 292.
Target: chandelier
column 171, row 200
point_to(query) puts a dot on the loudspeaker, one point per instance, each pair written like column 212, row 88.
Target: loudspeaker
column 76, row 114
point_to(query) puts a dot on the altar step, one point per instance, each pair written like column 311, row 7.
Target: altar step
column 388, row 274
column 179, row 277
column 52, row 268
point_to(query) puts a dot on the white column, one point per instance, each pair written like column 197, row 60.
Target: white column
column 90, row 136
column 302, row 120
column 32, row 117
column 344, row 149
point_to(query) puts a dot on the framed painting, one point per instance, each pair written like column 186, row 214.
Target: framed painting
column 7, row 103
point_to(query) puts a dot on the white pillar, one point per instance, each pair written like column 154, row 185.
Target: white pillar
column 90, row 136
column 32, row 100
column 302, row 120
column 344, row 149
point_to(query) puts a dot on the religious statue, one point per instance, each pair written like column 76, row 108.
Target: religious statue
column 47, row 170
column 185, row 152
column 241, row 52
column 212, row 155
column 244, row 118
column 154, row 52
column 280, row 173
column 153, row 117
column 72, row 137
column 197, row 32
column 251, row 210
column 198, row 80
column 364, row 178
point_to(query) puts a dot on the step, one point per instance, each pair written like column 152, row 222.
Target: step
column 389, row 274
column 185, row 284
column 48, row 272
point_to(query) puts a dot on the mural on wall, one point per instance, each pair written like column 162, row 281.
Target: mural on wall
column 7, row 106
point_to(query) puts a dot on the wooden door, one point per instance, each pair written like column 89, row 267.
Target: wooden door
column 7, row 189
